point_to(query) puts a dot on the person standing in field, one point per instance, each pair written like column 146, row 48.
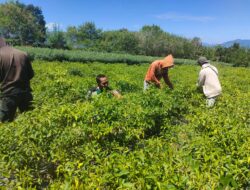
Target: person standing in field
column 15, row 75
column 209, row 81
column 102, row 86
column 157, row 70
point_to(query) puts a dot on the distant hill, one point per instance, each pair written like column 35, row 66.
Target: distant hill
column 243, row 43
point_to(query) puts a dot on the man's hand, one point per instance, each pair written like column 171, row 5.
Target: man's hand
column 166, row 78
column 116, row 94
column 158, row 85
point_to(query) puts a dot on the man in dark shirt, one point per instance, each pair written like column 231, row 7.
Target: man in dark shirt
column 102, row 85
column 15, row 75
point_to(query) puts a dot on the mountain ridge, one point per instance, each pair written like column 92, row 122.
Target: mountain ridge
column 245, row 43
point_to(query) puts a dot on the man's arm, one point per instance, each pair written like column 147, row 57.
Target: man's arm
column 166, row 78
column 29, row 68
column 1, row 71
column 90, row 93
column 116, row 94
column 201, row 79
column 151, row 75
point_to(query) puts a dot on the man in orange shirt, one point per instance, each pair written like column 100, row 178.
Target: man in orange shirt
column 157, row 70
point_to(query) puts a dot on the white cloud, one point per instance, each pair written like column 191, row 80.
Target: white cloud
column 181, row 17
column 50, row 26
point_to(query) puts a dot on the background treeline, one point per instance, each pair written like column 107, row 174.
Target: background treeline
column 24, row 25
column 82, row 56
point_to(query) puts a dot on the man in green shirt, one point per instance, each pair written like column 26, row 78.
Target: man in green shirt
column 102, row 86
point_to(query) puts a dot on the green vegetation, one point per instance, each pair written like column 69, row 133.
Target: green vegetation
column 88, row 56
column 24, row 24
column 160, row 139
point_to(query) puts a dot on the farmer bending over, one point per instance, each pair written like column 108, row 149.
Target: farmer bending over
column 157, row 70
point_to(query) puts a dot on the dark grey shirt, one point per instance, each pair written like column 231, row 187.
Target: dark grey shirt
column 15, row 71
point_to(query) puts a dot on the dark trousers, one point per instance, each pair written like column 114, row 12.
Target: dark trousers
column 10, row 103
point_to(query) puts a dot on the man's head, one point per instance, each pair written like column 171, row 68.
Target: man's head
column 202, row 60
column 2, row 42
column 102, row 81
column 167, row 62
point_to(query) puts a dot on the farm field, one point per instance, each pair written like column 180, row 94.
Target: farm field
column 159, row 139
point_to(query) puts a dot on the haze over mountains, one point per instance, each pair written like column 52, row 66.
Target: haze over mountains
column 243, row 43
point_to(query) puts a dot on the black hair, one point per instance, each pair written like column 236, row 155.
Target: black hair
column 98, row 77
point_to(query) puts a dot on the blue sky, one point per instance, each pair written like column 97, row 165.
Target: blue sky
column 214, row 21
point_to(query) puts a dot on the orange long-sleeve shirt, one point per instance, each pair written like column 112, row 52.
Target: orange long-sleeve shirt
column 154, row 73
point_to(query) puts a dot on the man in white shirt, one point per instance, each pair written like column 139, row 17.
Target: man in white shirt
column 209, row 81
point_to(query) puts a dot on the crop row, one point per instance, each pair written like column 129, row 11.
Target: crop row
column 159, row 139
column 47, row 54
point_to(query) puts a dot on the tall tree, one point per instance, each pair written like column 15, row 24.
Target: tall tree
column 40, row 32
column 153, row 40
column 56, row 38
column 121, row 41
column 22, row 24
column 72, row 37
column 88, row 34
column 84, row 36
column 197, row 47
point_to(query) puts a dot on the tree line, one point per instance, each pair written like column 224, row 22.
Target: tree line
column 24, row 25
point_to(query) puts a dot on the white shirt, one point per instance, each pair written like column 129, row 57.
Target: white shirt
column 208, row 79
